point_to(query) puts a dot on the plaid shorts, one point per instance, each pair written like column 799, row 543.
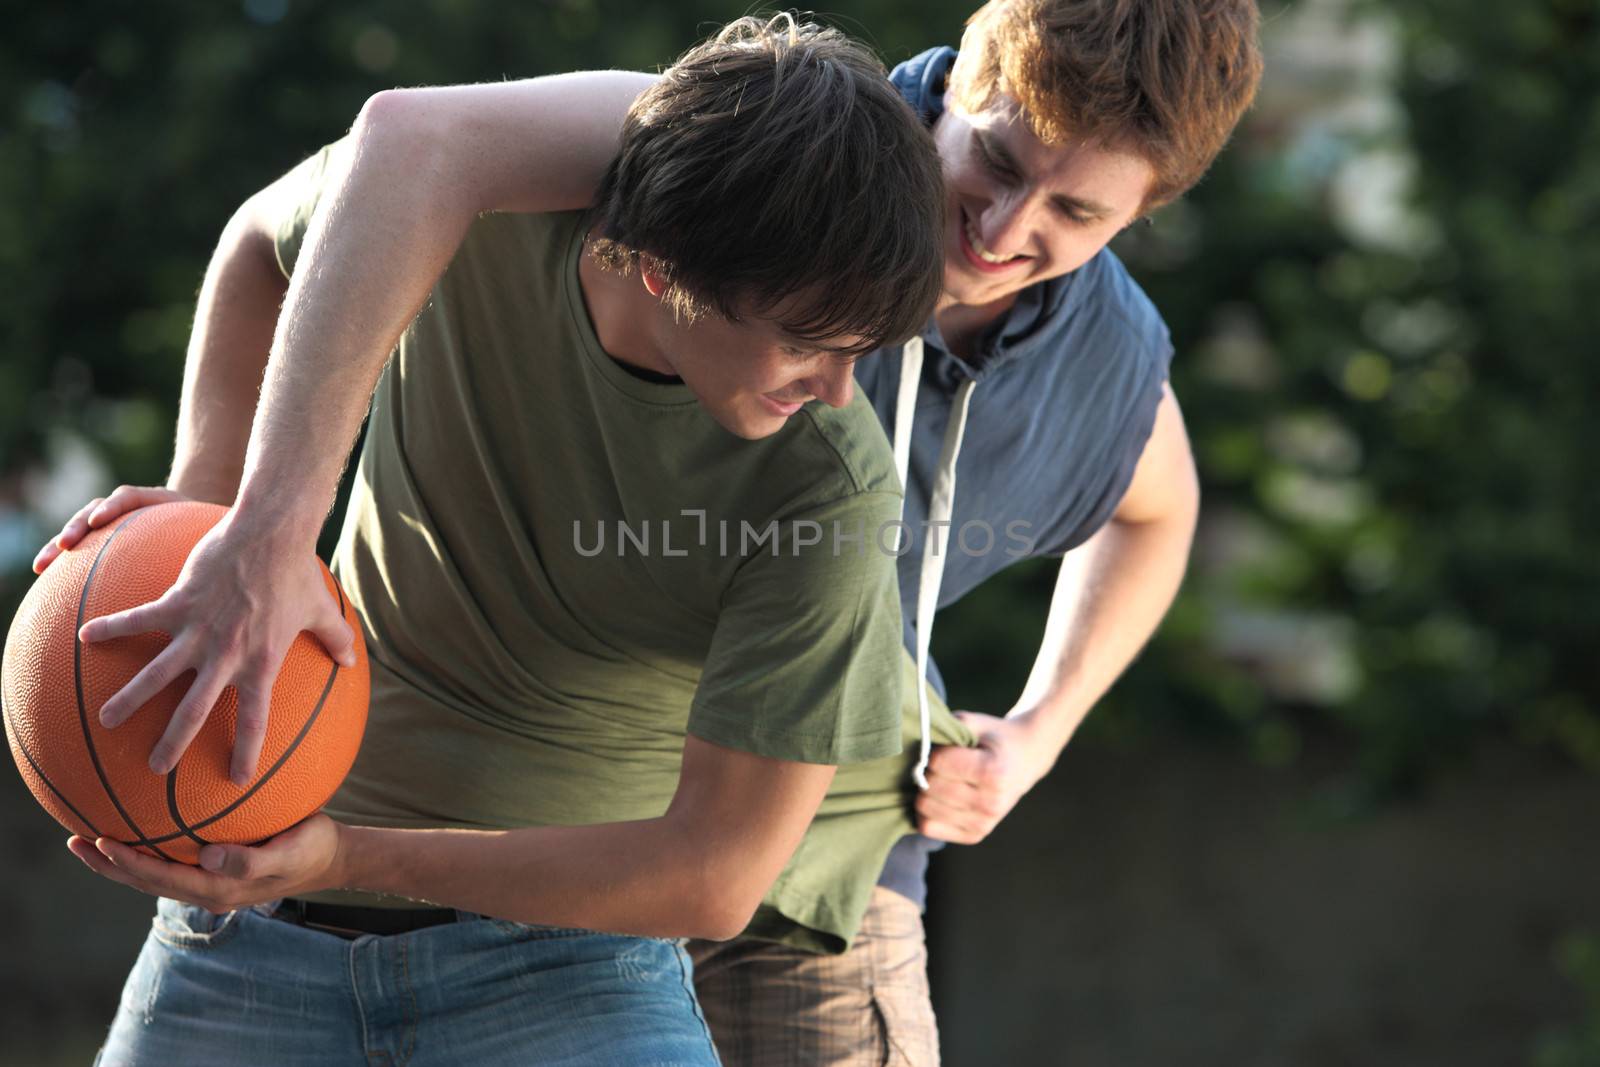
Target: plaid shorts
column 770, row 1005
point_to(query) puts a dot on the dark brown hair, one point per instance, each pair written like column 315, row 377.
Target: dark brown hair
column 775, row 160
column 1166, row 79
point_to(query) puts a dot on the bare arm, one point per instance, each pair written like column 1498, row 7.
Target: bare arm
column 378, row 244
column 536, row 145
column 699, row 870
column 1110, row 595
column 234, row 322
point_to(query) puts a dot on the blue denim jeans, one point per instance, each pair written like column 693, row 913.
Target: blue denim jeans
column 245, row 989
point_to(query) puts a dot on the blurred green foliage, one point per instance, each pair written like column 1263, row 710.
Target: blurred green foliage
column 1393, row 430
column 1578, row 956
column 133, row 131
column 1392, row 426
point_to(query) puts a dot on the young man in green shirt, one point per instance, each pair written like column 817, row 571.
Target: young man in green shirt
column 1057, row 133
column 630, row 740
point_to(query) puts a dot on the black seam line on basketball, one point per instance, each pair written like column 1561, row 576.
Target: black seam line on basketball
column 172, row 809
column 22, row 748
column 77, row 678
column 172, row 805
column 185, row 828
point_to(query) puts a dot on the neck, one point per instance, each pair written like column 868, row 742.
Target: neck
column 623, row 312
column 962, row 324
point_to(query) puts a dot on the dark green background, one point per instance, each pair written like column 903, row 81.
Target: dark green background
column 1340, row 812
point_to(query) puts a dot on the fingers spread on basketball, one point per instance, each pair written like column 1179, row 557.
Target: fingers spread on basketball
column 186, row 721
column 152, row 679
column 336, row 635
column 232, row 614
column 248, row 741
column 250, row 725
column 299, row 601
column 142, row 619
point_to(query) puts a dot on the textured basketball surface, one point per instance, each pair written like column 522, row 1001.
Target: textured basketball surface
column 97, row 782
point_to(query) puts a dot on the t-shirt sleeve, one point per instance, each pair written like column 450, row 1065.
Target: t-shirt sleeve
column 805, row 659
column 296, row 199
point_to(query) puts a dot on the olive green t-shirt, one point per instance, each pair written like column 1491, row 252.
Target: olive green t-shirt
column 563, row 569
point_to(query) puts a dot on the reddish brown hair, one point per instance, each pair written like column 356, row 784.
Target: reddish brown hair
column 1166, row 79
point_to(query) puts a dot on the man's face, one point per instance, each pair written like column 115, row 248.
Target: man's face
column 751, row 376
column 1021, row 211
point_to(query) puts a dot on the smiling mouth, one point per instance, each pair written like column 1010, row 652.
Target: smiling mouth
column 981, row 256
column 783, row 407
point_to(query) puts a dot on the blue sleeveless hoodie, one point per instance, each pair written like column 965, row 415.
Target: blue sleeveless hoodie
column 1065, row 395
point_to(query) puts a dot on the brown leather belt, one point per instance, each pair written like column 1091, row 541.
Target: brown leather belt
column 350, row 922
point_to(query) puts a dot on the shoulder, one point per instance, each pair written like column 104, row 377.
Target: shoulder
column 291, row 201
column 1119, row 312
column 1121, row 322
column 846, row 447
column 520, row 260
column 1164, row 483
column 553, row 231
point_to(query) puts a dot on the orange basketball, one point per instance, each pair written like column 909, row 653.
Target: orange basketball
column 97, row 782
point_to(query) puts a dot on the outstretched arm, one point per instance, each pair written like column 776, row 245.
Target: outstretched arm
column 1110, row 595
column 402, row 189
column 699, row 870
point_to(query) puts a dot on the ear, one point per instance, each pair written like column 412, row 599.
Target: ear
column 655, row 280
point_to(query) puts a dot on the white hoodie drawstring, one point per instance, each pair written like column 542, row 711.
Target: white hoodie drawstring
column 941, row 504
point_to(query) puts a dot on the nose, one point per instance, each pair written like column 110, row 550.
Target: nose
column 833, row 383
column 1005, row 225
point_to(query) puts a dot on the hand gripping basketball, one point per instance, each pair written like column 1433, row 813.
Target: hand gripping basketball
column 239, row 602
column 99, row 511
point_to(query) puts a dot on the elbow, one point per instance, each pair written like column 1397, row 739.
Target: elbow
column 722, row 915
column 411, row 133
column 718, row 898
column 402, row 131
column 390, row 111
column 395, row 120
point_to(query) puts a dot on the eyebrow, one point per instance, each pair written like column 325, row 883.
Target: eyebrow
column 1070, row 204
